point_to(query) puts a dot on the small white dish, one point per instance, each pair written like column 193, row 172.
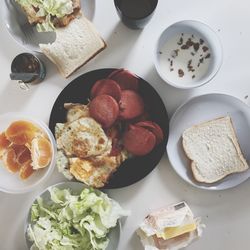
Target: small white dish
column 76, row 187
column 205, row 71
column 11, row 183
column 203, row 108
column 25, row 34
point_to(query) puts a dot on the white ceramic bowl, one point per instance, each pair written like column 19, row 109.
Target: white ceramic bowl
column 199, row 30
column 75, row 187
column 11, row 183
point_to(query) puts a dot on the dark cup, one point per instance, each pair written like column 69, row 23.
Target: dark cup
column 29, row 63
column 27, row 69
column 135, row 14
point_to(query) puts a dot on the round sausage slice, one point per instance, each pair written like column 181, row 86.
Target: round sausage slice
column 114, row 134
column 143, row 117
column 106, row 87
column 139, row 141
column 125, row 79
column 154, row 128
column 131, row 105
column 104, row 109
column 94, row 88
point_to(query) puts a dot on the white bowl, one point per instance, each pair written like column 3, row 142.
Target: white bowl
column 11, row 183
column 76, row 187
column 199, row 30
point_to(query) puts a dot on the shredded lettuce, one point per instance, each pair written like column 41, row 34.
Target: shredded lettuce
column 69, row 221
column 48, row 9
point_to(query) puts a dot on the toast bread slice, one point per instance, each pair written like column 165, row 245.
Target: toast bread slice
column 74, row 46
column 214, row 150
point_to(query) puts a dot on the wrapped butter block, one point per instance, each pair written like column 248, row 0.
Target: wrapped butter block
column 170, row 228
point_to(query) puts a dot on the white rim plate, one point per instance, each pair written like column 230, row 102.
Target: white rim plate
column 25, row 34
column 203, row 108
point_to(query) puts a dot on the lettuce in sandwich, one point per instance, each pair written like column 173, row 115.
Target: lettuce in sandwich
column 45, row 11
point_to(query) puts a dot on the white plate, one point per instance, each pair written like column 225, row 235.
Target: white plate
column 25, row 34
column 11, row 183
column 76, row 187
column 200, row 109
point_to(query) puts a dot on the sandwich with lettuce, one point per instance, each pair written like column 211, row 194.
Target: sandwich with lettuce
column 77, row 39
column 47, row 15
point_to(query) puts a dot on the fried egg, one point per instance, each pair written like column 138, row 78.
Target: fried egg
column 76, row 111
column 82, row 138
column 96, row 171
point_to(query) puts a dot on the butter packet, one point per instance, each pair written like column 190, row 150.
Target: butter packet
column 170, row 228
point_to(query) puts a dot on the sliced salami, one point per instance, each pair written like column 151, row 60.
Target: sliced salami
column 94, row 88
column 131, row 105
column 114, row 134
column 125, row 79
column 154, row 128
column 139, row 141
column 104, row 109
column 106, row 87
column 143, row 117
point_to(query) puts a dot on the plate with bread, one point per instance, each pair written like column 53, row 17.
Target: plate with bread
column 61, row 30
column 111, row 128
column 208, row 142
column 23, row 19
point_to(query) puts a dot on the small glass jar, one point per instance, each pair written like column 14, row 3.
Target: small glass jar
column 31, row 65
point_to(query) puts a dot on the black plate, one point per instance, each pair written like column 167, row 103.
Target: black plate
column 134, row 169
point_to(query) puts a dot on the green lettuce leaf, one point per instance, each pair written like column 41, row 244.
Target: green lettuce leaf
column 48, row 9
column 70, row 222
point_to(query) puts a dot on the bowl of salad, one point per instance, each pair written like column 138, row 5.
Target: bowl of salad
column 70, row 216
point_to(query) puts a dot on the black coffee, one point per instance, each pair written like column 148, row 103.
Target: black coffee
column 136, row 8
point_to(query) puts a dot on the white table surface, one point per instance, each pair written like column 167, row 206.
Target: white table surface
column 225, row 213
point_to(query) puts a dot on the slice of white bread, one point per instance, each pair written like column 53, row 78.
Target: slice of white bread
column 214, row 150
column 74, row 46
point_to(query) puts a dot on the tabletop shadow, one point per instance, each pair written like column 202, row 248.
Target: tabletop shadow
column 119, row 44
column 199, row 197
column 13, row 99
column 134, row 242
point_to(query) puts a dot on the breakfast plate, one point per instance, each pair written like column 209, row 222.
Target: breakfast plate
column 201, row 109
column 75, row 188
column 26, row 34
column 132, row 169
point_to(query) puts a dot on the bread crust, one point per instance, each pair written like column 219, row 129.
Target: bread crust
column 102, row 45
column 91, row 57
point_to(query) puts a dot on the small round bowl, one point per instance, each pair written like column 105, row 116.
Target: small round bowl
column 10, row 182
column 75, row 187
column 163, row 57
